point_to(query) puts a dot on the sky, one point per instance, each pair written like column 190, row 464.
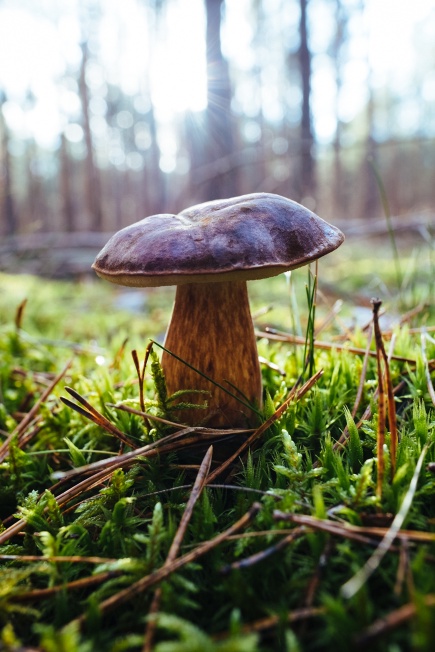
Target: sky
column 40, row 55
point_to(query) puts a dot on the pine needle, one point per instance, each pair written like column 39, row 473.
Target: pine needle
column 19, row 430
column 163, row 573
column 93, row 415
column 176, row 543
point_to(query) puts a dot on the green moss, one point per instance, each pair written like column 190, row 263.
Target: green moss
column 119, row 528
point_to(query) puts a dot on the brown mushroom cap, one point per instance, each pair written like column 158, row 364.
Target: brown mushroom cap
column 243, row 238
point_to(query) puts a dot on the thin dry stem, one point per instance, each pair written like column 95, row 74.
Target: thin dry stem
column 19, row 430
column 329, row 317
column 342, row 441
column 84, row 583
column 118, row 355
column 70, row 559
column 382, row 406
column 176, row 543
column 380, row 438
column 393, row 620
column 163, row 573
column 272, row 334
column 404, row 319
column 294, row 395
column 19, row 314
column 263, row 624
column 93, row 415
column 258, row 557
column 356, row 532
column 141, row 378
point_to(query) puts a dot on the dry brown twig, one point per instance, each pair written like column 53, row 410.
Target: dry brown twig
column 103, row 469
column 164, row 572
column 363, row 534
column 70, row 559
column 83, row 583
column 19, row 314
column 263, row 624
column 391, row 621
column 101, row 577
column 29, row 418
column 96, row 417
column 385, row 387
column 295, row 394
column 264, row 554
column 141, row 377
column 176, row 543
column 273, row 334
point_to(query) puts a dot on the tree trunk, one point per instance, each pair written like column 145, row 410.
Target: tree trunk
column 339, row 198
column 65, row 187
column 219, row 123
column 307, row 163
column 10, row 219
column 369, row 197
column 92, row 179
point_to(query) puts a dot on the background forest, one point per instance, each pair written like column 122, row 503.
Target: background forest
column 111, row 111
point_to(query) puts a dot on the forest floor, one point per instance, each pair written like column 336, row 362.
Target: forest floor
column 320, row 535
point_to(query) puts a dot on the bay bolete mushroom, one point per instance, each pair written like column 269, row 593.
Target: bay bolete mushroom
column 209, row 251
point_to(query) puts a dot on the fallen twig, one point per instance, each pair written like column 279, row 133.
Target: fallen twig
column 96, row 417
column 162, row 573
column 347, row 530
column 20, row 429
column 272, row 334
column 176, row 543
column 392, row 620
column 263, row 554
column 269, row 622
column 383, row 407
column 294, row 395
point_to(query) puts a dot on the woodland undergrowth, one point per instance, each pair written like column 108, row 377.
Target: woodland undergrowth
column 124, row 530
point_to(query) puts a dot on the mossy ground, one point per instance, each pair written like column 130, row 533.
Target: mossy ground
column 277, row 583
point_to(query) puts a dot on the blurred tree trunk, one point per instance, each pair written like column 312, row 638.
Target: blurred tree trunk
column 155, row 177
column 258, row 179
column 338, row 199
column 65, row 187
column 153, row 198
column 92, row 179
column 37, row 207
column 369, row 203
column 307, row 163
column 219, row 122
column 193, row 136
column 10, row 219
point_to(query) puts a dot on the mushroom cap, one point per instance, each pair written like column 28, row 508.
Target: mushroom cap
column 243, row 238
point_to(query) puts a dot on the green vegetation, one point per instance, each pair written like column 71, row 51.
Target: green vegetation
column 302, row 543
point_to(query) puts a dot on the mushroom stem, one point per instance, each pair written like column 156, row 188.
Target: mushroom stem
column 211, row 329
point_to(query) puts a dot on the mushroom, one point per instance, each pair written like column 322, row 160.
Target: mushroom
column 209, row 251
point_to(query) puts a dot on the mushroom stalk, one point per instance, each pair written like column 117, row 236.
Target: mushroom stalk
column 211, row 329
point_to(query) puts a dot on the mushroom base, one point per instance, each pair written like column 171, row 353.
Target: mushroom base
column 211, row 329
